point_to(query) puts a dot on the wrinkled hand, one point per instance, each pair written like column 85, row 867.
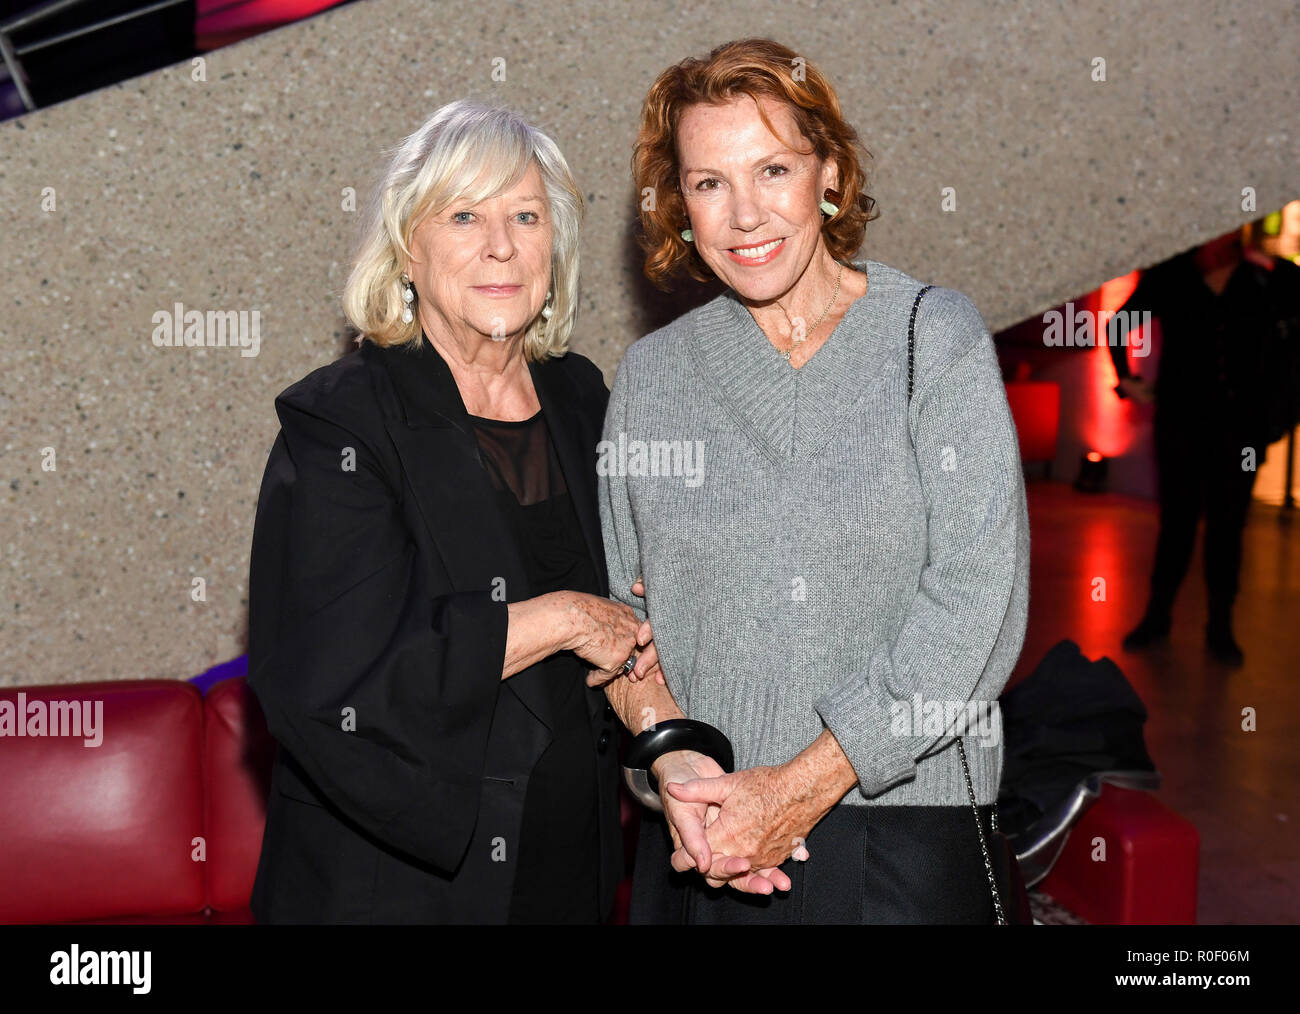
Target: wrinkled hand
column 756, row 821
column 647, row 658
column 687, row 821
column 608, row 632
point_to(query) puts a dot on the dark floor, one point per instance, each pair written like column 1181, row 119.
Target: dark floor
column 1239, row 788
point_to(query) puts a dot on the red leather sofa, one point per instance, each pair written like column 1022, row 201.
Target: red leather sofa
column 161, row 822
column 1130, row 860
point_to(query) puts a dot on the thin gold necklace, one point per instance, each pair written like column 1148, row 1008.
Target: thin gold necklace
column 834, row 296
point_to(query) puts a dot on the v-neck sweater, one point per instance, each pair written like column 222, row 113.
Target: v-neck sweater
column 819, row 552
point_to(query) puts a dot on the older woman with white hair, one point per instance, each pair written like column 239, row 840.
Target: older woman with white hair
column 429, row 621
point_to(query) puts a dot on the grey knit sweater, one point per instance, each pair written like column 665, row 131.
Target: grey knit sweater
column 808, row 563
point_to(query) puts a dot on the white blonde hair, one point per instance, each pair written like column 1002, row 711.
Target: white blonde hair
column 468, row 152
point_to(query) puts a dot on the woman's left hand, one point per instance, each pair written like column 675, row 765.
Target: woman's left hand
column 758, row 819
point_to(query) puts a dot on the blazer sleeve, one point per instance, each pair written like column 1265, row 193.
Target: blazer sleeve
column 618, row 527
column 382, row 692
column 965, row 624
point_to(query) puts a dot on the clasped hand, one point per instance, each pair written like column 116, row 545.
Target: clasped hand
column 735, row 829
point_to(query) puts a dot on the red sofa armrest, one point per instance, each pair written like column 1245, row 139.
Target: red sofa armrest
column 97, row 831
column 238, row 752
column 1148, row 875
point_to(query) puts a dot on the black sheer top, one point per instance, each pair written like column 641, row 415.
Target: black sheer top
column 559, row 846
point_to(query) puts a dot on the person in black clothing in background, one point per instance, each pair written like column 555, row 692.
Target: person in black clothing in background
column 1224, row 392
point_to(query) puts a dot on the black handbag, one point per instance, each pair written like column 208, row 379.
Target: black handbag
column 1010, row 898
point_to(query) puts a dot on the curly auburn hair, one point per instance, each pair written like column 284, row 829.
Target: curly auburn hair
column 753, row 67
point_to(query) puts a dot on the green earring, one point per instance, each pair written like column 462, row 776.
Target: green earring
column 829, row 208
column 688, row 235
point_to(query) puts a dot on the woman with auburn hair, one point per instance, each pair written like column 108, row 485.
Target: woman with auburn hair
column 427, row 588
column 851, row 559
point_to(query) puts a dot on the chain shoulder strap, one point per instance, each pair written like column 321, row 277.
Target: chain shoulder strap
column 961, row 749
column 911, row 337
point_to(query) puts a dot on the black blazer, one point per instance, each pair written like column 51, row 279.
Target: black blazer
column 377, row 629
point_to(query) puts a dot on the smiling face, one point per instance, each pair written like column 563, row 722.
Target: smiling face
column 482, row 270
column 751, row 200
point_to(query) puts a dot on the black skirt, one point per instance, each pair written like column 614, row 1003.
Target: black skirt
column 868, row 865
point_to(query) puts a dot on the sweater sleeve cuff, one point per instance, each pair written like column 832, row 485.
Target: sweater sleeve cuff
column 859, row 713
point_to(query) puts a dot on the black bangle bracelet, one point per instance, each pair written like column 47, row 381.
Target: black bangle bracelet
column 665, row 737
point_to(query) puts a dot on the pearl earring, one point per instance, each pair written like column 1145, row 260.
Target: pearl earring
column 546, row 308
column 408, row 296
